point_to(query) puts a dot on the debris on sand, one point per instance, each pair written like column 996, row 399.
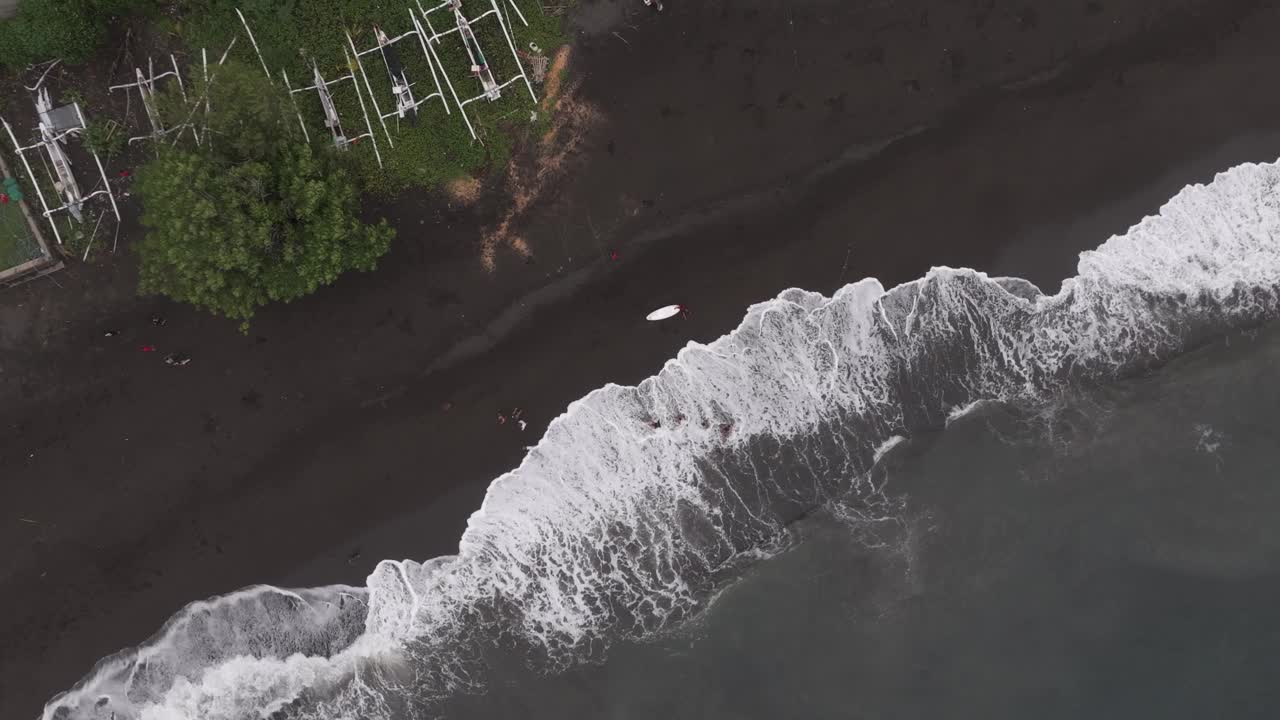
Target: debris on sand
column 554, row 77
column 538, row 62
column 463, row 191
column 572, row 119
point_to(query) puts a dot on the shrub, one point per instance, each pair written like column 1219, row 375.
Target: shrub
column 253, row 217
column 105, row 137
column 68, row 29
column 48, row 29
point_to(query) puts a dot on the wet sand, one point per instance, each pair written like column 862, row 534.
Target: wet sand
column 743, row 148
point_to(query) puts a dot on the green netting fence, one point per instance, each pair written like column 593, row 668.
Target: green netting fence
column 18, row 244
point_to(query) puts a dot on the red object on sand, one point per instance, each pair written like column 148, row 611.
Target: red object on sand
column 148, row 348
column 613, row 254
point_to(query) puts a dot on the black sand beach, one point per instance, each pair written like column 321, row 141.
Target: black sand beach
column 742, row 148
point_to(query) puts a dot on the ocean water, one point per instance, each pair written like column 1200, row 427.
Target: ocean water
column 957, row 496
column 1110, row 554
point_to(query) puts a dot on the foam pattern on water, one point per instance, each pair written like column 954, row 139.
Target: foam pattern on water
column 619, row 521
column 213, row 639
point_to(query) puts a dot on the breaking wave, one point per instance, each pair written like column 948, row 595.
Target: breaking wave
column 622, row 518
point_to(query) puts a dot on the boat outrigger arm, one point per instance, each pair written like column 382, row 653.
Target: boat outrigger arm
column 146, row 85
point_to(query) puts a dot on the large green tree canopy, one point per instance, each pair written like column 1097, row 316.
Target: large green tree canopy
column 253, row 214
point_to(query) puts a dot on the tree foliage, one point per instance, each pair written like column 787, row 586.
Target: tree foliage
column 253, row 216
column 67, row 29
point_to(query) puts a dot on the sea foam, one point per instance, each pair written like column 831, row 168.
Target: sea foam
column 618, row 522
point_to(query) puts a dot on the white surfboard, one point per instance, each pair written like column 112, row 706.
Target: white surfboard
column 663, row 313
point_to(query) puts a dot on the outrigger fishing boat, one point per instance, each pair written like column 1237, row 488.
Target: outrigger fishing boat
column 400, row 85
column 479, row 66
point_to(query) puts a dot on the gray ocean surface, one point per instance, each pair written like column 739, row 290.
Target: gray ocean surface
column 1114, row 553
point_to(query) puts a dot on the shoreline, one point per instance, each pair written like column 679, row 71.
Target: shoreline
column 355, row 476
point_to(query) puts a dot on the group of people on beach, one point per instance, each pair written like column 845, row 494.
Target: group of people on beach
column 514, row 417
column 175, row 359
